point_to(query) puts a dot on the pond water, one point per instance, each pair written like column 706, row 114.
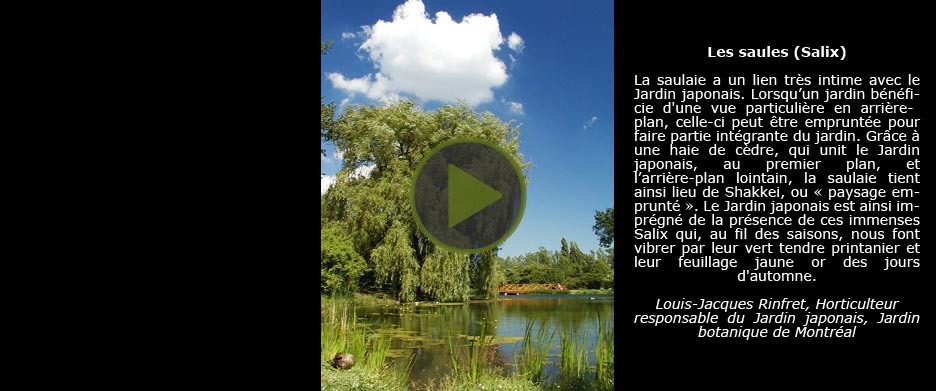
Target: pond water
column 424, row 330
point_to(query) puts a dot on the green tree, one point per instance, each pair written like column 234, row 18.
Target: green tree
column 604, row 227
column 569, row 266
column 606, row 257
column 389, row 142
column 341, row 265
column 328, row 109
column 595, row 271
column 486, row 275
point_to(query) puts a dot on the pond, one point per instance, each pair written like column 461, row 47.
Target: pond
column 423, row 330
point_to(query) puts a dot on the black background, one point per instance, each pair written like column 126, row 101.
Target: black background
column 673, row 353
column 226, row 207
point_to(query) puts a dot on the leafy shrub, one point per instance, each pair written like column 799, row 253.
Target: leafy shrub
column 342, row 266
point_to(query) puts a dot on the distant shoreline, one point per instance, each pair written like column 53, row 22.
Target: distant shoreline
column 567, row 292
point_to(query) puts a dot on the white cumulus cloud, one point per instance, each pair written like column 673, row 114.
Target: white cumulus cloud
column 589, row 123
column 344, row 102
column 515, row 42
column 433, row 59
column 327, row 181
column 357, row 173
column 513, row 107
column 348, row 35
column 362, row 172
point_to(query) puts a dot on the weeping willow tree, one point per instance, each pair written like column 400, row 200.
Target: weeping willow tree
column 486, row 276
column 380, row 148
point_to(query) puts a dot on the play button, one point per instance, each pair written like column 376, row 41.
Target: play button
column 468, row 195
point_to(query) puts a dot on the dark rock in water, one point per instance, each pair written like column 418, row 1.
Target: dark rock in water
column 342, row 360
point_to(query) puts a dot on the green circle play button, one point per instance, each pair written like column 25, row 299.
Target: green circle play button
column 468, row 195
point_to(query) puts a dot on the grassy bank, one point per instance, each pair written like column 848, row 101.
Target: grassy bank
column 591, row 291
column 572, row 292
column 358, row 379
column 372, row 299
column 486, row 381
column 342, row 333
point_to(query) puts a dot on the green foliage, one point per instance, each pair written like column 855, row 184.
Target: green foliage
column 573, row 361
column 604, row 355
column 328, row 109
column 328, row 115
column 548, row 292
column 591, row 291
column 568, row 266
column 473, row 358
column 393, row 260
column 574, row 371
column 534, row 351
column 486, row 275
column 356, row 379
column 342, row 332
column 440, row 270
column 604, row 226
column 375, row 209
column 493, row 382
column 341, row 265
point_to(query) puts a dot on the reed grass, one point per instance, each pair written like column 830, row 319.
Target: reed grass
column 604, row 355
column 533, row 351
column 341, row 332
column 573, row 359
column 573, row 369
column 474, row 358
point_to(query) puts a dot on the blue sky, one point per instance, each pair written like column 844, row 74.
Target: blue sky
column 549, row 65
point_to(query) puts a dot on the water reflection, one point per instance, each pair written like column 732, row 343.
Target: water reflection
column 424, row 330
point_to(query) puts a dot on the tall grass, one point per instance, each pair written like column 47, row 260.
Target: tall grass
column 573, row 360
column 573, row 369
column 474, row 359
column 604, row 355
column 534, row 351
column 342, row 333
